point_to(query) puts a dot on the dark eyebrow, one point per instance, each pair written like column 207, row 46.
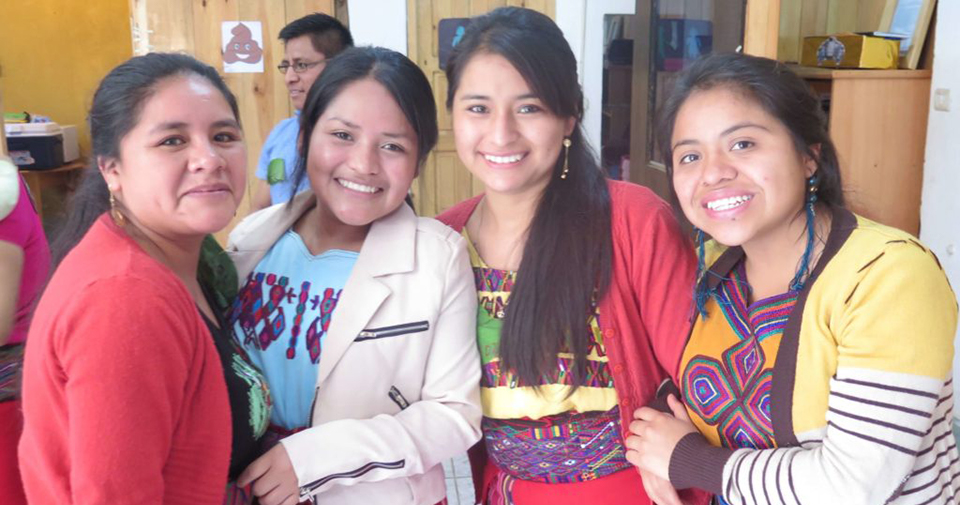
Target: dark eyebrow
column 344, row 121
column 227, row 123
column 357, row 127
column 178, row 125
column 745, row 124
column 724, row 133
column 525, row 96
column 169, row 125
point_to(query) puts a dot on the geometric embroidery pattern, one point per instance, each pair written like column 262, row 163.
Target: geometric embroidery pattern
column 262, row 319
column 493, row 291
column 733, row 393
column 569, row 447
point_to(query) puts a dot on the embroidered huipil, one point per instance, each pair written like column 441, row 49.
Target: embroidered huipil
column 548, row 435
column 850, row 402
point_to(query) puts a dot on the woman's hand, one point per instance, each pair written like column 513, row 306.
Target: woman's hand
column 655, row 435
column 659, row 490
column 273, row 477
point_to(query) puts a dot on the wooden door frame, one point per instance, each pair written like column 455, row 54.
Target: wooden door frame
column 3, row 138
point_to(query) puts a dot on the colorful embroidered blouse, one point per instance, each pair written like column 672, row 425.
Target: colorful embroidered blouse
column 549, row 436
column 504, row 397
column 730, row 396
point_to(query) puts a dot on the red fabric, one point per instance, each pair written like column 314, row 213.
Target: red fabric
column 616, row 489
column 11, row 489
column 645, row 314
column 124, row 399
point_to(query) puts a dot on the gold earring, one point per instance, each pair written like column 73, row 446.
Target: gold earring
column 115, row 212
column 566, row 158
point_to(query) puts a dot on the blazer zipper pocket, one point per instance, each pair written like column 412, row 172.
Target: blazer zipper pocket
column 398, row 398
column 392, row 331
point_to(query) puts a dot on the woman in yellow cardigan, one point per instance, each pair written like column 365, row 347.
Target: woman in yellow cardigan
column 819, row 366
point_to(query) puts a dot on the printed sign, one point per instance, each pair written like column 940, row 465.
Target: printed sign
column 450, row 31
column 242, row 46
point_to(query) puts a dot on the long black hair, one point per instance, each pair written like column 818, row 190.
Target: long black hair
column 566, row 263
column 116, row 109
column 779, row 91
column 401, row 77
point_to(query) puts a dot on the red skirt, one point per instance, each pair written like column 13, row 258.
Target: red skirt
column 621, row 488
column 11, row 424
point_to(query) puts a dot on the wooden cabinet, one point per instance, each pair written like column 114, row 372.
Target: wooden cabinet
column 878, row 122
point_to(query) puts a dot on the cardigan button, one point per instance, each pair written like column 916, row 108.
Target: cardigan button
column 611, row 334
column 618, row 368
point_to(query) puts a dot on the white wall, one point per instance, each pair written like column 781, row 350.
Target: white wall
column 582, row 24
column 379, row 23
column 940, row 208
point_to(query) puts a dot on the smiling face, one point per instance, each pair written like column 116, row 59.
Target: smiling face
column 363, row 155
column 736, row 170
column 182, row 168
column 504, row 133
column 301, row 50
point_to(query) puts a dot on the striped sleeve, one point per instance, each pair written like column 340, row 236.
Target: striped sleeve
column 888, row 436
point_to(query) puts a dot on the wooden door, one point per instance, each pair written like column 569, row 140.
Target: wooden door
column 193, row 27
column 444, row 181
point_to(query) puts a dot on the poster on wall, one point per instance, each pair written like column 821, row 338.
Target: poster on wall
column 449, row 33
column 242, row 46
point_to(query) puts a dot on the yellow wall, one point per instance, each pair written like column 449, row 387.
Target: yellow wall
column 54, row 52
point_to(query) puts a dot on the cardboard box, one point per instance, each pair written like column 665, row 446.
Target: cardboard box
column 850, row 50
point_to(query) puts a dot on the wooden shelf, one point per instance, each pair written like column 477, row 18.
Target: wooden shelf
column 820, row 73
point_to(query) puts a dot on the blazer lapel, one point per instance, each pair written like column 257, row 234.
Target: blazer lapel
column 389, row 248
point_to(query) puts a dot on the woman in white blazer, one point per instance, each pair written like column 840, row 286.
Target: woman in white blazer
column 361, row 315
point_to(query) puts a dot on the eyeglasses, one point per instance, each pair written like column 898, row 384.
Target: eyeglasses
column 298, row 67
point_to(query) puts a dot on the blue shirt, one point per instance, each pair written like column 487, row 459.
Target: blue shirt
column 280, row 152
column 281, row 316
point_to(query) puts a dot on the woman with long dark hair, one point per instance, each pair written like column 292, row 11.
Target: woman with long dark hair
column 360, row 314
column 131, row 379
column 819, row 365
column 583, row 283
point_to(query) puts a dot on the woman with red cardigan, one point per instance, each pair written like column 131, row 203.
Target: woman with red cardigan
column 583, row 283
column 134, row 391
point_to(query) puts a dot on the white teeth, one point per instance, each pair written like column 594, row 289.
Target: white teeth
column 729, row 203
column 357, row 187
column 513, row 158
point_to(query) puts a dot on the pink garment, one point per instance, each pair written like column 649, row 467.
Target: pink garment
column 24, row 229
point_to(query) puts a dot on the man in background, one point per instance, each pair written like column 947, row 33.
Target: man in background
column 309, row 42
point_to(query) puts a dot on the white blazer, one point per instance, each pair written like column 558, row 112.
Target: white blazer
column 398, row 380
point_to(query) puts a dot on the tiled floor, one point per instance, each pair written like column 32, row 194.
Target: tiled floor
column 459, row 481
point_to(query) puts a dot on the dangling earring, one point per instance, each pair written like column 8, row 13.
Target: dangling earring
column 115, row 212
column 566, row 157
column 813, row 184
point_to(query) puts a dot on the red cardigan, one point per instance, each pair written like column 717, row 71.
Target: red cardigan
column 646, row 312
column 124, row 399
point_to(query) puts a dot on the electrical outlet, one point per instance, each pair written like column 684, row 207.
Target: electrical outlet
column 941, row 99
